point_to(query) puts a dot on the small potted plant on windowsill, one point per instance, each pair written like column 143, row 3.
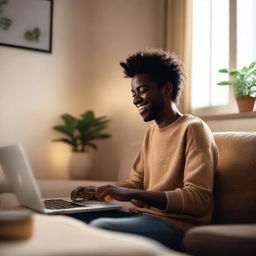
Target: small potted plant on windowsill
column 244, row 85
column 81, row 133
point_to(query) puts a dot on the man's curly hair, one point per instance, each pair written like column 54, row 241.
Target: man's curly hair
column 160, row 65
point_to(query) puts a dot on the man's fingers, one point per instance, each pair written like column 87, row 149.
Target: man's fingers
column 84, row 196
column 101, row 196
column 102, row 189
column 91, row 195
column 91, row 192
column 99, row 191
column 74, row 193
column 83, row 193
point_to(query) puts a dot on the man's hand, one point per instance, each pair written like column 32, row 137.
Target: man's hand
column 156, row 199
column 100, row 193
column 115, row 192
column 84, row 193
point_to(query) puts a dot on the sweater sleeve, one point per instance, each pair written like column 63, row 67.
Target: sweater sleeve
column 195, row 197
column 136, row 176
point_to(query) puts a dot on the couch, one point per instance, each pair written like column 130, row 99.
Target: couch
column 233, row 227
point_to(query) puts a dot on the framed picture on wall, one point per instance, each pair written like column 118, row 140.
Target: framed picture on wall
column 26, row 24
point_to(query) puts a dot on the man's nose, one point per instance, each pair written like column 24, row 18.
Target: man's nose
column 137, row 99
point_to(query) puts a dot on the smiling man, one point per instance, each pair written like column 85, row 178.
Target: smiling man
column 171, row 179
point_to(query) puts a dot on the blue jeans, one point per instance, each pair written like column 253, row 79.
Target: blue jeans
column 144, row 225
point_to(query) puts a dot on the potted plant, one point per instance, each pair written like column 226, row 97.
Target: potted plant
column 81, row 133
column 244, row 85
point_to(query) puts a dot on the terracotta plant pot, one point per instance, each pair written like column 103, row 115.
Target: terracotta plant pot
column 245, row 103
column 79, row 166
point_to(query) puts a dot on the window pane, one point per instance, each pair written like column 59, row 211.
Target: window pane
column 200, row 54
column 246, row 32
column 220, row 51
column 210, row 52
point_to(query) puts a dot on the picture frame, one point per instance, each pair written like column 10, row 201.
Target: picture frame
column 26, row 24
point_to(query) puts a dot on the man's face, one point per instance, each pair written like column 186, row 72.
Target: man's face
column 147, row 97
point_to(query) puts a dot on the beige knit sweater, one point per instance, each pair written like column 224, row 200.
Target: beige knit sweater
column 179, row 159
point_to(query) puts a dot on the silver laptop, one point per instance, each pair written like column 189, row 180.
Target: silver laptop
column 20, row 178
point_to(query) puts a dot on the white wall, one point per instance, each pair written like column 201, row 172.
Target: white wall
column 90, row 37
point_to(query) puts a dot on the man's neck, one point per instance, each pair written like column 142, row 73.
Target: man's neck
column 170, row 114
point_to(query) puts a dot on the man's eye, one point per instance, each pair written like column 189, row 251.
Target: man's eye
column 143, row 90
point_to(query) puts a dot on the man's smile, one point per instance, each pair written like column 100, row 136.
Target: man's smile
column 143, row 108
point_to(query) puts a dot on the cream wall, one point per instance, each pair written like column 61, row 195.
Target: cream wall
column 246, row 124
column 90, row 37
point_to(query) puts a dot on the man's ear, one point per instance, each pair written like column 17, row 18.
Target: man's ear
column 167, row 89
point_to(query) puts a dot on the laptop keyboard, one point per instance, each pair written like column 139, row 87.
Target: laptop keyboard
column 60, row 204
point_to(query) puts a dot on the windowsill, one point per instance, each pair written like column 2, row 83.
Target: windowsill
column 229, row 116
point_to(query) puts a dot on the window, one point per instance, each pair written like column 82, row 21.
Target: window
column 246, row 32
column 223, row 35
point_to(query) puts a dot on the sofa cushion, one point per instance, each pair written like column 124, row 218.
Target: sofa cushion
column 221, row 240
column 235, row 179
column 61, row 235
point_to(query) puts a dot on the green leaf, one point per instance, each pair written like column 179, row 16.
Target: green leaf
column 252, row 73
column 234, row 73
column 88, row 115
column 104, row 136
column 98, row 136
column 98, row 128
column 244, row 69
column 223, row 70
column 224, row 83
column 69, row 120
column 64, row 129
column 252, row 65
column 65, row 141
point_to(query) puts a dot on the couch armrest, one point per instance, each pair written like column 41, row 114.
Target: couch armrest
column 221, row 240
